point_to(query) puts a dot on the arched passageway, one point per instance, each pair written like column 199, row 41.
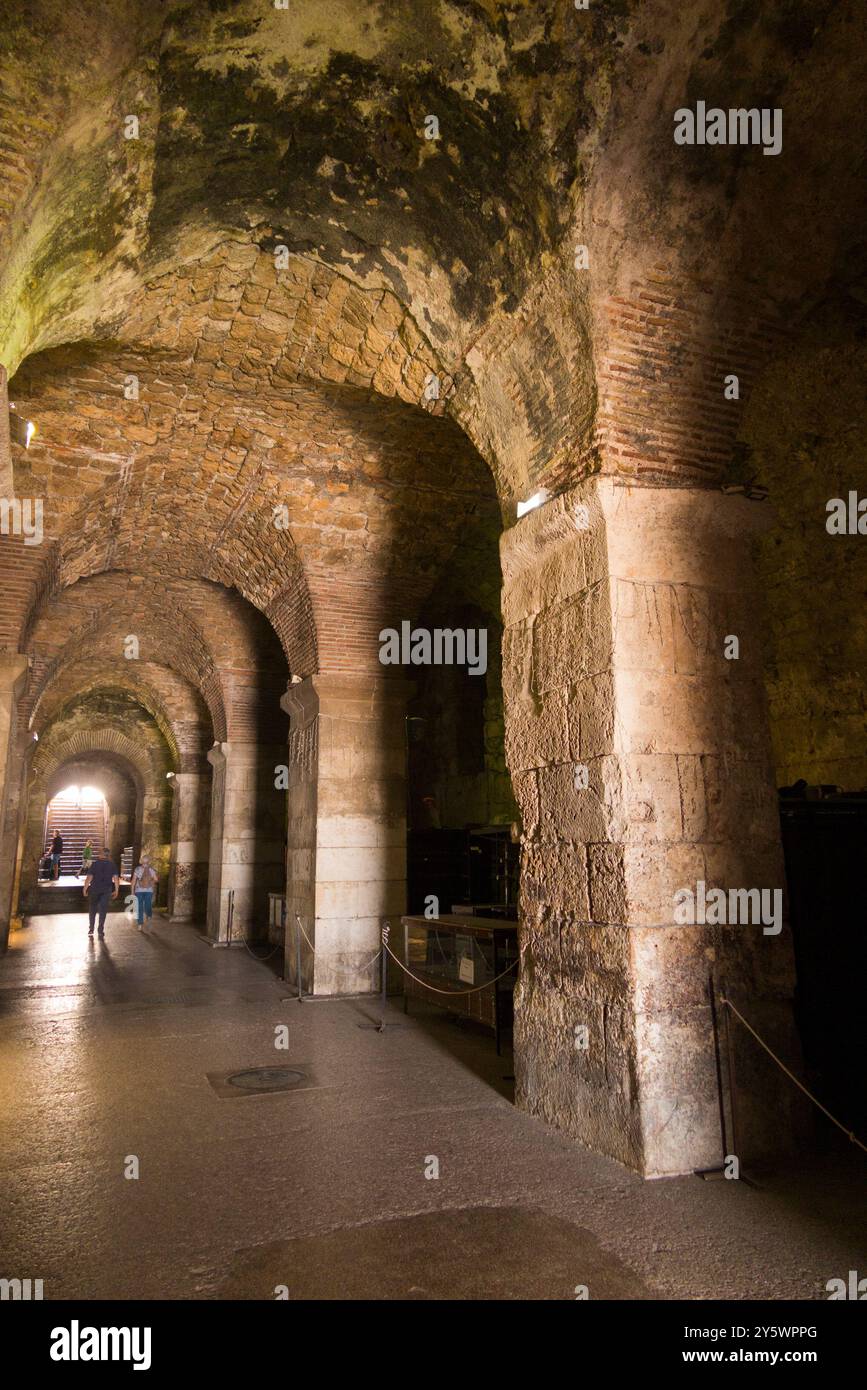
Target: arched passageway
column 308, row 374
column 79, row 815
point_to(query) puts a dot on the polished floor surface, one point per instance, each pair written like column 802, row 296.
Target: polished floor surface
column 118, row 1056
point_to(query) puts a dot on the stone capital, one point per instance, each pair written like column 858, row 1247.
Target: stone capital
column 232, row 755
column 186, row 781
column 358, row 695
column 300, row 702
column 217, row 755
column 362, row 693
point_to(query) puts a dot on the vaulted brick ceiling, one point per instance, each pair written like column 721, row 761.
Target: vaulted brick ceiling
column 300, row 381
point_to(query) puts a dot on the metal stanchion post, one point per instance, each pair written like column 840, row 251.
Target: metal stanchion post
column 719, row 1170
column 298, row 958
column 716, row 1169
column 231, row 917
column 383, row 981
column 386, row 928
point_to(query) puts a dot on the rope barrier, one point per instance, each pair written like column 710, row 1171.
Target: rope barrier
column 848, row 1132
column 351, row 971
column 473, row 989
column 278, row 947
column 476, row 989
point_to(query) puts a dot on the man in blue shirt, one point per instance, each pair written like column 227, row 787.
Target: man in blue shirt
column 98, row 886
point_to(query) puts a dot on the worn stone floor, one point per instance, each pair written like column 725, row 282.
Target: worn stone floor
column 123, row 1049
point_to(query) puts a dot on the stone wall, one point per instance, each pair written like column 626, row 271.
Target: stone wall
column 807, row 420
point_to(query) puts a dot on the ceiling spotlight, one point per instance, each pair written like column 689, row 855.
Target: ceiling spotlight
column 532, row 502
column 169, row 776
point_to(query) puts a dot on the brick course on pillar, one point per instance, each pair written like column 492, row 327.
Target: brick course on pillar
column 617, row 604
column 346, row 855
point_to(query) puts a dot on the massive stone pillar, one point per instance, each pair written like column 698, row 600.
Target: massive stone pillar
column 13, row 669
column 246, row 847
column 641, row 761
column 346, row 850
column 188, row 877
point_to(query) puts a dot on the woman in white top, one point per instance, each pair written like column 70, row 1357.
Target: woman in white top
column 144, row 881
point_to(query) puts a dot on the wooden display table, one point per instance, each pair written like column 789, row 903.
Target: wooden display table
column 452, row 956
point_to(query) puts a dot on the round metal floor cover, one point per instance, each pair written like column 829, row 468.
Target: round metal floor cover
column 266, row 1079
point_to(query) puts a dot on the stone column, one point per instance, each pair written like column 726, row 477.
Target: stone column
column 246, row 853
column 640, row 757
column 188, row 878
column 13, row 671
column 119, row 833
column 301, row 703
column 346, row 854
column 156, row 833
column 217, row 914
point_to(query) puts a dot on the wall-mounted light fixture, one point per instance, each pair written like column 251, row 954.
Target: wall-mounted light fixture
column 532, row 502
column 21, row 431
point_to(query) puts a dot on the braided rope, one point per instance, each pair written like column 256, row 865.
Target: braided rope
column 386, row 929
column 848, row 1132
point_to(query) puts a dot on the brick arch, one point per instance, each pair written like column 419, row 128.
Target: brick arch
column 359, row 477
column 290, row 613
column 49, row 756
column 312, row 322
column 411, row 218
column 140, row 694
column 196, row 631
column 89, row 642
column 168, row 630
column 175, row 705
column 196, row 537
column 152, row 708
column 146, row 763
column 308, row 320
column 368, row 305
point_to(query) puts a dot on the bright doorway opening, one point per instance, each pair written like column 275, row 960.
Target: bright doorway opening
column 78, row 814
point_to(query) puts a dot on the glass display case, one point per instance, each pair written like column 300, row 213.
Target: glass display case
column 466, row 965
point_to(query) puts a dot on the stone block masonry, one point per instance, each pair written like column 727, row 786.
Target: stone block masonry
column 614, row 664
column 346, row 864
